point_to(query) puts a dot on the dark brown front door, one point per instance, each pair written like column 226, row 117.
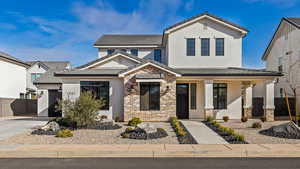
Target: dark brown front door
column 54, row 96
column 182, row 101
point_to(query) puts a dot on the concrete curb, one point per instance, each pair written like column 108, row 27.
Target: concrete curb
column 150, row 151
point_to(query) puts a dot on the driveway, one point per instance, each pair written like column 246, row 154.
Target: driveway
column 13, row 126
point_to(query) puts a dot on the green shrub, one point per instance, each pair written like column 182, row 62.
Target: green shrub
column 231, row 131
column 134, row 121
column 244, row 119
column 64, row 122
column 239, row 137
column 181, row 132
column 222, row 128
column 263, row 119
column 225, row 118
column 64, row 133
column 128, row 130
column 214, row 122
column 209, row 118
column 256, row 125
column 83, row 110
column 218, row 125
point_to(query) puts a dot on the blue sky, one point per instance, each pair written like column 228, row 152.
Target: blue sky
column 66, row 29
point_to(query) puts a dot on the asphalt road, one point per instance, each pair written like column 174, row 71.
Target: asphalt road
column 150, row 163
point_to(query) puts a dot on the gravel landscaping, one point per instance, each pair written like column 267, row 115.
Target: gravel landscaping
column 253, row 136
column 93, row 136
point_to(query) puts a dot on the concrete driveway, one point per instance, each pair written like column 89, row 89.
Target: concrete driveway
column 12, row 126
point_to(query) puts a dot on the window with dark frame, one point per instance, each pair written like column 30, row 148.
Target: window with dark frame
column 190, row 47
column 193, row 96
column 150, row 96
column 134, row 52
column 100, row 90
column 157, row 55
column 220, row 95
column 219, row 46
column 205, row 47
column 110, row 51
column 35, row 76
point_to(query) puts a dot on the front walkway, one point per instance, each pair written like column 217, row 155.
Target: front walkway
column 202, row 134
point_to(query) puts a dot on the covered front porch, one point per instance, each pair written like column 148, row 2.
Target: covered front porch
column 200, row 97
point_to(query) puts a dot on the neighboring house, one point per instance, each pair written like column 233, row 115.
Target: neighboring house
column 192, row 70
column 283, row 55
column 37, row 69
column 13, row 75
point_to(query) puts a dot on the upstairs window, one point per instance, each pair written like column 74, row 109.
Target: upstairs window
column 205, row 47
column 190, row 47
column 280, row 64
column 110, row 51
column 220, row 95
column 220, row 47
column 100, row 90
column 134, row 52
column 35, row 76
column 157, row 55
column 149, row 96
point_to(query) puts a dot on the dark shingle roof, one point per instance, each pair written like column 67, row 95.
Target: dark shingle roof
column 208, row 14
column 118, row 40
column 52, row 65
column 9, row 57
column 295, row 21
column 231, row 71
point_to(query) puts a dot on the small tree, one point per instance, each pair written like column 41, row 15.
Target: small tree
column 83, row 110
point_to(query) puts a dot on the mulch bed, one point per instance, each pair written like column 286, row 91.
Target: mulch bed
column 226, row 136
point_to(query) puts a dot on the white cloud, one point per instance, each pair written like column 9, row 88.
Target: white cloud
column 282, row 3
column 72, row 40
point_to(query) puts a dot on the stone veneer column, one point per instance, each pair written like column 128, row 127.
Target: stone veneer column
column 209, row 101
column 269, row 100
column 248, row 100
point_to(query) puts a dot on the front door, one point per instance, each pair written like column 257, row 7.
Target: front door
column 54, row 96
column 182, row 101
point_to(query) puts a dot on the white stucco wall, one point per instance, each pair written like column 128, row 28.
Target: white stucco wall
column 177, row 46
column 13, row 79
column 33, row 69
column 71, row 90
column 43, row 97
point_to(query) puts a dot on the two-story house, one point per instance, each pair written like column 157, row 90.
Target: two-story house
column 283, row 55
column 192, row 70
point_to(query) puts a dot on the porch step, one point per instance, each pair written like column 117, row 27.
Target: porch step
column 202, row 134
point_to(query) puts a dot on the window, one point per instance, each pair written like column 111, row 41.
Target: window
column 220, row 47
column 220, row 95
column 110, row 51
column 157, row 55
column 204, row 46
column 100, row 90
column 134, row 52
column 193, row 95
column 35, row 76
column 149, row 96
column 22, row 96
column 280, row 63
column 190, row 47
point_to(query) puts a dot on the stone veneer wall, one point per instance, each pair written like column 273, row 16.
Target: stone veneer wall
column 132, row 97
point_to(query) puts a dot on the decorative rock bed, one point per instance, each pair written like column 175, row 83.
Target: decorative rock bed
column 50, row 128
column 183, row 135
column 229, row 137
column 104, row 124
column 287, row 130
column 144, row 131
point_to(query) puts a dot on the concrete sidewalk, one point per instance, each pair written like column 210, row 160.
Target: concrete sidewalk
column 153, row 151
column 202, row 134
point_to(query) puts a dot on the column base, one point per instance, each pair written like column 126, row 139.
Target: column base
column 248, row 112
column 269, row 114
column 208, row 113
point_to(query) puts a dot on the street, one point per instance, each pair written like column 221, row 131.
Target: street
column 151, row 163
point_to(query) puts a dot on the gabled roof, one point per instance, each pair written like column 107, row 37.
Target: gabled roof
column 13, row 59
column 52, row 65
column 208, row 15
column 126, row 39
column 230, row 71
column 293, row 21
column 109, row 57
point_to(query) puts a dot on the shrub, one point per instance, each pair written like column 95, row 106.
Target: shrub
column 263, row 119
column 239, row 137
column 244, row 119
column 161, row 130
column 64, row 133
column 209, row 118
column 218, row 125
column 83, row 110
column 214, row 122
column 181, row 132
column 134, row 121
column 256, row 125
column 171, row 119
column 128, row 130
column 225, row 118
column 223, row 129
column 64, row 122
column 231, row 131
